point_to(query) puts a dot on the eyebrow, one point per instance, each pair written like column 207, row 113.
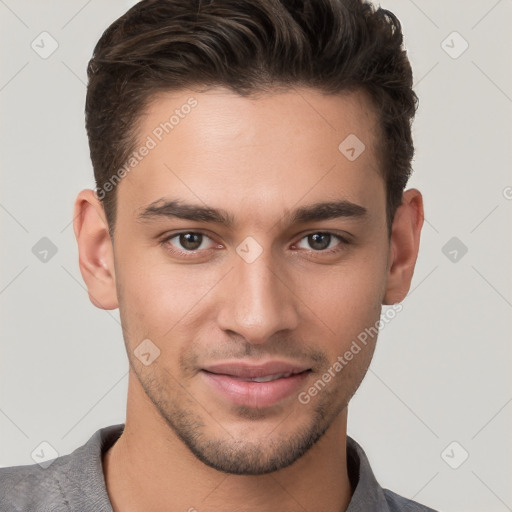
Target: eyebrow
column 315, row 212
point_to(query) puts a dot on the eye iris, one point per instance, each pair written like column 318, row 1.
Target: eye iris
column 191, row 241
column 319, row 241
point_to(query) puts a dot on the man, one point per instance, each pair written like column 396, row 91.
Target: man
column 249, row 221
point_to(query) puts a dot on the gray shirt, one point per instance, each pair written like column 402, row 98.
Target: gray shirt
column 75, row 482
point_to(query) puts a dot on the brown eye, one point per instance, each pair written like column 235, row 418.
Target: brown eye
column 190, row 241
column 320, row 241
column 187, row 242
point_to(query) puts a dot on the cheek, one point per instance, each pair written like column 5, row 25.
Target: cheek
column 161, row 301
column 349, row 314
column 353, row 291
column 158, row 300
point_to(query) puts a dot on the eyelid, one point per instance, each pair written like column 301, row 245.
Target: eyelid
column 341, row 235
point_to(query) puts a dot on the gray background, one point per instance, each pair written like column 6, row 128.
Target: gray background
column 441, row 371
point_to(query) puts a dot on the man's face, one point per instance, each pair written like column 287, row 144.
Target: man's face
column 265, row 295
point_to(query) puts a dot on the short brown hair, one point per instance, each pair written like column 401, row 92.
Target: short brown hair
column 248, row 46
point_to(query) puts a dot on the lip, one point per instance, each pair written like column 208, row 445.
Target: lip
column 246, row 370
column 227, row 380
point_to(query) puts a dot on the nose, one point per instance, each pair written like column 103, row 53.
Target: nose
column 259, row 300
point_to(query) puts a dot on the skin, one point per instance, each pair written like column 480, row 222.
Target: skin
column 184, row 446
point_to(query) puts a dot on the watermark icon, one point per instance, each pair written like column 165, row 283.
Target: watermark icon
column 249, row 249
column 304, row 397
column 454, row 249
column 44, row 454
column 351, row 147
column 146, row 352
column 507, row 193
column 44, row 45
column 454, row 455
column 44, row 250
column 151, row 142
column 454, row 45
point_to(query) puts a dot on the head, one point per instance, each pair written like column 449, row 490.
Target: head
column 250, row 162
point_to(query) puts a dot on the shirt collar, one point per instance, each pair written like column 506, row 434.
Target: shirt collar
column 367, row 494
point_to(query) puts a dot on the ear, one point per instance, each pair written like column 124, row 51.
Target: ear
column 96, row 254
column 404, row 246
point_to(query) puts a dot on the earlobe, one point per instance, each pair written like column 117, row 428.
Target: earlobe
column 96, row 254
column 404, row 247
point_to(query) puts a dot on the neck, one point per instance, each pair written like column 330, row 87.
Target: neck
column 149, row 468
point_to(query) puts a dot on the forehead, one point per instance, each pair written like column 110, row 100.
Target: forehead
column 257, row 153
column 221, row 119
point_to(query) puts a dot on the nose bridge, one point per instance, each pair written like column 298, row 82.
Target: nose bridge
column 258, row 302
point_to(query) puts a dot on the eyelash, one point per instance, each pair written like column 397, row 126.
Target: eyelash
column 190, row 254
